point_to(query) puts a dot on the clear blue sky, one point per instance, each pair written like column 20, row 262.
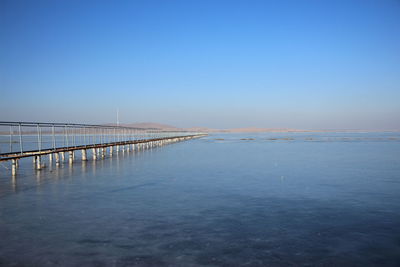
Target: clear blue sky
column 299, row 64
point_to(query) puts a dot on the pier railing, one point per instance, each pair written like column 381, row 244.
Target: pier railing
column 27, row 139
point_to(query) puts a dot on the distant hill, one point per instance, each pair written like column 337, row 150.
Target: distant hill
column 261, row 130
column 167, row 127
column 147, row 125
column 151, row 125
column 202, row 129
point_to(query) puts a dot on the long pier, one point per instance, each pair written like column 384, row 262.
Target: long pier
column 55, row 140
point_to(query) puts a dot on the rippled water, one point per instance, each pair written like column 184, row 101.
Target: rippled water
column 305, row 199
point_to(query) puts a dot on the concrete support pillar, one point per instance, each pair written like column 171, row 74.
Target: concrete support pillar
column 127, row 148
column 102, row 152
column 50, row 158
column 117, row 148
column 38, row 163
column 111, row 150
column 71, row 156
column 14, row 164
column 62, row 156
column 94, row 153
column 57, row 157
column 84, row 154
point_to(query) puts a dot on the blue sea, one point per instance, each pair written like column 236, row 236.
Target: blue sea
column 270, row 199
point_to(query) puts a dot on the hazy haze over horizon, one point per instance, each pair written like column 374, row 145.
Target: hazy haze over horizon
column 218, row 64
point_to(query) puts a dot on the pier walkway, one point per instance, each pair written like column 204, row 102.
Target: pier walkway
column 34, row 139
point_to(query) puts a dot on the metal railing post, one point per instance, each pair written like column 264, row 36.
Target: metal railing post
column 11, row 133
column 20, row 138
column 39, row 139
column 54, row 137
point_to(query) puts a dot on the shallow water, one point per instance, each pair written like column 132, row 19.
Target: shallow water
column 277, row 199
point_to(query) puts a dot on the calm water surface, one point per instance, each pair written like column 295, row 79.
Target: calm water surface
column 300, row 199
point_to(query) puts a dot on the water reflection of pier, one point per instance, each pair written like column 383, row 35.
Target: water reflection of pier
column 59, row 141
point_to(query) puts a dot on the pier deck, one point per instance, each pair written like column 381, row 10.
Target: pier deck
column 33, row 139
